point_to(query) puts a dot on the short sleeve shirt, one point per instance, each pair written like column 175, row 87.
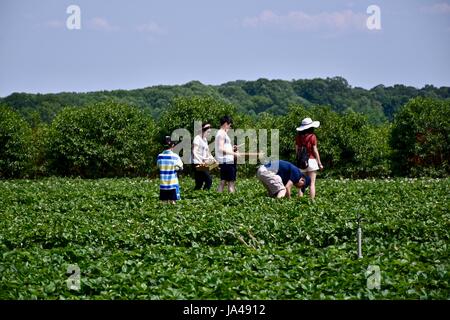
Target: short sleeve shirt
column 286, row 170
column 310, row 140
column 202, row 151
column 168, row 163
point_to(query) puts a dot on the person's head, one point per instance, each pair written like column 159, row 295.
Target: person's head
column 206, row 129
column 226, row 122
column 306, row 131
column 168, row 143
column 303, row 183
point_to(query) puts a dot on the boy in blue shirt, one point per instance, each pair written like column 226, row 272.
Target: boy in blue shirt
column 168, row 164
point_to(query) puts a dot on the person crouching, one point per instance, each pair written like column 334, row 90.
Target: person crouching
column 279, row 176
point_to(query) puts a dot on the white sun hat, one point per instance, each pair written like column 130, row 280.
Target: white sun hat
column 308, row 123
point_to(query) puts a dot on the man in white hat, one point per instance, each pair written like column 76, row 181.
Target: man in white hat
column 307, row 138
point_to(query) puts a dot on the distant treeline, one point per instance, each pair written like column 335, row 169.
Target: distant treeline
column 379, row 104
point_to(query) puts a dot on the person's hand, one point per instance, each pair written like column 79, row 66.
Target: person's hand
column 320, row 166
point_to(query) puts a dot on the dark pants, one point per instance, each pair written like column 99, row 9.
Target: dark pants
column 200, row 178
column 228, row 171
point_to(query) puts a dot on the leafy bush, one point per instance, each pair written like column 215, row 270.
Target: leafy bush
column 421, row 138
column 101, row 140
column 15, row 145
column 364, row 149
column 40, row 143
column 184, row 111
column 111, row 139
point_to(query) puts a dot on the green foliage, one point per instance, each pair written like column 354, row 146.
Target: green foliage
column 363, row 149
column 348, row 144
column 222, row 246
column 421, row 138
column 184, row 111
column 250, row 97
column 111, row 139
column 105, row 139
column 40, row 141
column 337, row 93
column 15, row 145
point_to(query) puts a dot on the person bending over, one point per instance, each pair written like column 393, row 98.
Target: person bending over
column 279, row 176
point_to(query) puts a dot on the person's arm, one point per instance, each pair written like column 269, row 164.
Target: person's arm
column 317, row 156
column 288, row 186
column 178, row 163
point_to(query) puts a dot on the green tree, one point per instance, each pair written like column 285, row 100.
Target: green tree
column 101, row 140
column 364, row 147
column 15, row 145
column 184, row 111
column 421, row 138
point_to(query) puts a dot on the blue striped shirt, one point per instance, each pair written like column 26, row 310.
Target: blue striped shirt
column 168, row 163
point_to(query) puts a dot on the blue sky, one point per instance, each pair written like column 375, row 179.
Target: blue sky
column 135, row 44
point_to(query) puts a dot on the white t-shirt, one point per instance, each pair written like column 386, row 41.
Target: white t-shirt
column 220, row 156
column 201, row 153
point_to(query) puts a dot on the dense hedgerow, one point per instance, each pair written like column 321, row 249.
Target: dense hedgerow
column 114, row 140
column 16, row 149
column 421, row 138
column 101, row 140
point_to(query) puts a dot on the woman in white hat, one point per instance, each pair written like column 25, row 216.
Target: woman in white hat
column 307, row 138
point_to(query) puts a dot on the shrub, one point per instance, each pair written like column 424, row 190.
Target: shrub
column 101, row 140
column 421, row 138
column 364, row 148
column 15, row 145
column 184, row 111
column 40, row 142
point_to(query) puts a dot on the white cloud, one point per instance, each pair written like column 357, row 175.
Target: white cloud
column 438, row 8
column 99, row 23
column 151, row 28
column 301, row 21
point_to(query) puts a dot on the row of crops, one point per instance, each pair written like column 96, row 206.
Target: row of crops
column 127, row 245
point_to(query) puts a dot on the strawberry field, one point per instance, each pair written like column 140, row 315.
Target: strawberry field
column 128, row 245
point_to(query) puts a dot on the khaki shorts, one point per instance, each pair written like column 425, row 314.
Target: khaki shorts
column 270, row 180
